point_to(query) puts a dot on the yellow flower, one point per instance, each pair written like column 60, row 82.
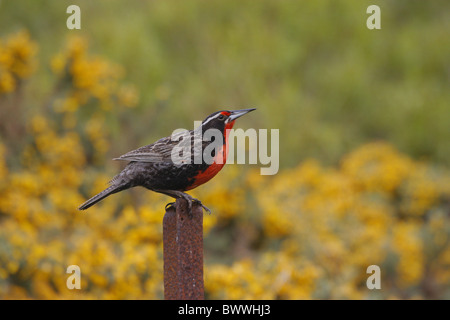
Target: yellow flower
column 3, row 168
column 76, row 47
column 7, row 82
column 58, row 63
column 16, row 60
column 409, row 247
column 377, row 167
column 90, row 77
column 17, row 55
column 277, row 224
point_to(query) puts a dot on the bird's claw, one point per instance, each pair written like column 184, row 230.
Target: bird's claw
column 170, row 205
column 199, row 203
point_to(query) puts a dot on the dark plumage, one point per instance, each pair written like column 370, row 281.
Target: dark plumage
column 152, row 166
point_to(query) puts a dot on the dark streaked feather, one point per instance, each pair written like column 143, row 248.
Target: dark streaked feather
column 159, row 151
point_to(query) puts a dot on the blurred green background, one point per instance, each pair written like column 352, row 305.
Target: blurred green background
column 312, row 68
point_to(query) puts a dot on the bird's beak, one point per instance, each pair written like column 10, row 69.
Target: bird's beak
column 238, row 113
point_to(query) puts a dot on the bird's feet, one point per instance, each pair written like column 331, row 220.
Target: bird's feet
column 190, row 201
column 181, row 195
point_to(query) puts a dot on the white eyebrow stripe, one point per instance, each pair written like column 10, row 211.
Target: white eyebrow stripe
column 211, row 119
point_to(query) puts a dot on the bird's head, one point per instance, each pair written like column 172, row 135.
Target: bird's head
column 224, row 119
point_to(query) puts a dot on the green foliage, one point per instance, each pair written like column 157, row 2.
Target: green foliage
column 312, row 68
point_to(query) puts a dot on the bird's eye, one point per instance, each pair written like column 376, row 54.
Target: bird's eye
column 221, row 117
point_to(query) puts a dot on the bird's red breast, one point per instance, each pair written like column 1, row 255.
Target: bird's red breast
column 219, row 161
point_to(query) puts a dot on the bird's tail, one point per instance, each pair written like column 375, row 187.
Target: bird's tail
column 102, row 195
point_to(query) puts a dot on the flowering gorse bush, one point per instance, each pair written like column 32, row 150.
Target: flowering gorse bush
column 378, row 207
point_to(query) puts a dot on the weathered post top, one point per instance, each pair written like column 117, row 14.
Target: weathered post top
column 183, row 252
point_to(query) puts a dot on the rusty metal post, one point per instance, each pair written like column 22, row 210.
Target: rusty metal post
column 183, row 253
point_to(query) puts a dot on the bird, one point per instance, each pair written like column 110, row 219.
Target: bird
column 153, row 166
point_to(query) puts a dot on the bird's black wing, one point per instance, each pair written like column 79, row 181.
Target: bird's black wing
column 159, row 151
